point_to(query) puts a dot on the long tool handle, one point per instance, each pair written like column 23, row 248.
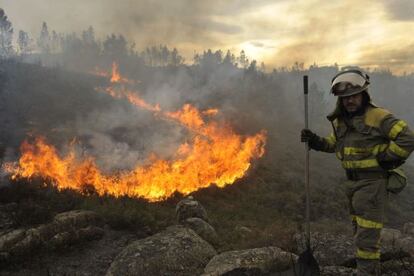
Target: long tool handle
column 307, row 189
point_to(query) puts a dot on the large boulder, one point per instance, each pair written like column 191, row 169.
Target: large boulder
column 203, row 229
column 256, row 261
column 190, row 208
column 177, row 250
column 65, row 229
column 329, row 249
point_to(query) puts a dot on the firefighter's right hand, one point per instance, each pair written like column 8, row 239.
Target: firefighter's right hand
column 307, row 135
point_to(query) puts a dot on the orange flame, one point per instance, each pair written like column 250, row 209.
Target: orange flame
column 215, row 154
column 116, row 77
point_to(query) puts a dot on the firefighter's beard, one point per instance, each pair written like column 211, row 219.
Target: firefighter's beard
column 354, row 105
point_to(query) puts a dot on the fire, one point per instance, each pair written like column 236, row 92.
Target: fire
column 116, row 77
column 214, row 154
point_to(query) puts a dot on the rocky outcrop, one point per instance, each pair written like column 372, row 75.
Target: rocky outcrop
column 203, row 229
column 190, row 213
column 190, row 208
column 176, row 251
column 329, row 249
column 257, row 261
column 65, row 229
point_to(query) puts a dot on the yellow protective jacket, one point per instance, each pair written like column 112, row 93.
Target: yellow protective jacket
column 358, row 140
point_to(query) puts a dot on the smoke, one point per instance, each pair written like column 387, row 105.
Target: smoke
column 122, row 137
column 303, row 31
column 400, row 9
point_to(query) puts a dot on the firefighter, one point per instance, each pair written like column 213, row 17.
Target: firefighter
column 371, row 144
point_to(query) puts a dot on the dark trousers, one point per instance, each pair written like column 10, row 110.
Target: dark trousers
column 367, row 200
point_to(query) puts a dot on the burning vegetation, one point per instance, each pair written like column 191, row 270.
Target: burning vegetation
column 214, row 154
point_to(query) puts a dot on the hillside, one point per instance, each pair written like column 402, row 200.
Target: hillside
column 64, row 105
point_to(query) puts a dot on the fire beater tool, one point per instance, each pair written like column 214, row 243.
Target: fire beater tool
column 307, row 264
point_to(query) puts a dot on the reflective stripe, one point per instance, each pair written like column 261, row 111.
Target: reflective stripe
column 360, row 164
column 396, row 129
column 398, row 150
column 331, row 139
column 368, row 223
column 368, row 255
column 356, row 151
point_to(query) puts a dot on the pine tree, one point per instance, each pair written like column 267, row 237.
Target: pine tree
column 23, row 42
column 243, row 60
column 44, row 39
column 6, row 35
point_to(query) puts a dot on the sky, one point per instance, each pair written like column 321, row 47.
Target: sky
column 367, row 33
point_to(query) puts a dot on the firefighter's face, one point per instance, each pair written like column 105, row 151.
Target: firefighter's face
column 352, row 103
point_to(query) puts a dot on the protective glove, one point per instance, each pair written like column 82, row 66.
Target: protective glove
column 307, row 135
column 387, row 163
column 314, row 141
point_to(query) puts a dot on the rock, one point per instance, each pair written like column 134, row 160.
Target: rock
column 190, row 208
column 408, row 228
column 66, row 228
column 389, row 236
column 203, row 229
column 61, row 239
column 77, row 219
column 256, row 261
column 8, row 240
column 177, row 250
column 400, row 267
column 337, row 271
column 338, row 250
column 91, row 233
column 329, row 249
column 406, row 245
column 243, row 231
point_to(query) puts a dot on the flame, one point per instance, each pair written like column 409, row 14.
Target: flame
column 116, row 77
column 214, row 154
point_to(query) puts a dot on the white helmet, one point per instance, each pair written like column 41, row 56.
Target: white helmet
column 349, row 82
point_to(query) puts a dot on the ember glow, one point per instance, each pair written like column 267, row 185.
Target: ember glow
column 213, row 154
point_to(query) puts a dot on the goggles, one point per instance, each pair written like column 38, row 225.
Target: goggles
column 348, row 83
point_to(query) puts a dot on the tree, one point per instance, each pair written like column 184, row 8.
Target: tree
column 115, row 47
column 262, row 67
column 54, row 42
column 6, row 35
column 253, row 66
column 23, row 42
column 88, row 36
column 44, row 39
column 229, row 58
column 244, row 62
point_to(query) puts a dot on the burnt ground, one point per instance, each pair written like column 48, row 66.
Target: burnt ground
column 88, row 258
